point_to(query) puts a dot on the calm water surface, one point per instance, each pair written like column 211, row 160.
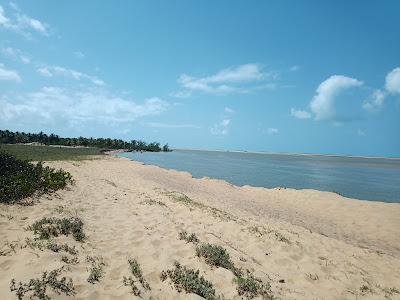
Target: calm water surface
column 361, row 178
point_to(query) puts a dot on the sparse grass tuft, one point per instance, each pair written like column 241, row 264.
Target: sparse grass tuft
column 53, row 227
column 190, row 281
column 251, row 287
column 150, row 201
column 38, row 287
column 138, row 274
column 96, row 270
column 189, row 238
column 215, row 255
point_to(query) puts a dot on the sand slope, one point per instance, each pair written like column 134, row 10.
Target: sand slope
column 307, row 244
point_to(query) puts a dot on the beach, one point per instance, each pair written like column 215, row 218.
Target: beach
column 306, row 244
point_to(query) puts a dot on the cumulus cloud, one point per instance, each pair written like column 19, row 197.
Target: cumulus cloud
column 375, row 101
column 22, row 23
column 322, row 105
column 230, row 80
column 10, row 75
column 221, row 128
column 15, row 54
column 300, row 114
column 69, row 73
column 294, row 68
column 393, row 81
column 53, row 105
column 360, row 132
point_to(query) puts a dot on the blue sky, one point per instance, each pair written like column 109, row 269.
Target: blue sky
column 281, row 76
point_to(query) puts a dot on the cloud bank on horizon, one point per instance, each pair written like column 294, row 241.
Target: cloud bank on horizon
column 50, row 82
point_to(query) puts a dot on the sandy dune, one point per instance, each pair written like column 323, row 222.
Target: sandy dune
column 306, row 244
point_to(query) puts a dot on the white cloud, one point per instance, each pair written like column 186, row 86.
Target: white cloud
column 272, row 131
column 221, row 128
column 30, row 23
column 322, row 105
column 294, row 68
column 22, row 23
column 300, row 114
column 53, row 105
column 15, row 54
column 375, row 102
column 79, row 55
column 393, row 81
column 229, row 110
column 165, row 125
column 230, row 80
column 4, row 21
column 69, row 73
column 10, row 75
column 360, row 132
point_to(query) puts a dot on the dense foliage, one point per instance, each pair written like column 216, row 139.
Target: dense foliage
column 9, row 137
column 20, row 179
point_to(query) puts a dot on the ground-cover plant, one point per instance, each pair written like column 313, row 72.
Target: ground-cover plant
column 53, row 227
column 50, row 245
column 250, row 287
column 20, row 179
column 189, row 238
column 138, row 274
column 71, row 261
column 189, row 280
column 96, row 270
column 37, row 288
column 217, row 256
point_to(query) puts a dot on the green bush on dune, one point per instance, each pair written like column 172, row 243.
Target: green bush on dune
column 20, row 179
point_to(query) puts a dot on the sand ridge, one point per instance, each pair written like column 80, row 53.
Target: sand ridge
column 306, row 244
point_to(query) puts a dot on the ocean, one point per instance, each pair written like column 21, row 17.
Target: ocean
column 374, row 179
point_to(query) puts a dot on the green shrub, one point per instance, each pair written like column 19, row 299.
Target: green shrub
column 215, row 255
column 190, row 281
column 20, row 179
column 251, row 287
column 38, row 287
column 138, row 274
column 52, row 227
column 189, row 238
column 96, row 270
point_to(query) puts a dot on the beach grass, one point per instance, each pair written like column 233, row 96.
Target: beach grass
column 49, row 153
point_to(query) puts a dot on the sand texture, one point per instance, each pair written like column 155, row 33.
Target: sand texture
column 306, row 244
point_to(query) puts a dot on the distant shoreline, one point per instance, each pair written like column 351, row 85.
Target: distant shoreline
column 289, row 153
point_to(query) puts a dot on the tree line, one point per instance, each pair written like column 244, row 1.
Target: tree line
column 9, row 137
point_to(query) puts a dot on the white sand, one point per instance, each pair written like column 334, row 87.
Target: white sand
column 322, row 245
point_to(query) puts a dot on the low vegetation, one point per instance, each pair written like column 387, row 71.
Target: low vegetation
column 189, row 238
column 50, row 245
column 53, row 227
column 9, row 137
column 188, row 280
column 251, row 287
column 49, row 153
column 96, row 270
column 38, row 288
column 20, row 179
column 138, row 276
column 217, row 256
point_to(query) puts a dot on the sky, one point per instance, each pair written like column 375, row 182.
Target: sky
column 276, row 76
